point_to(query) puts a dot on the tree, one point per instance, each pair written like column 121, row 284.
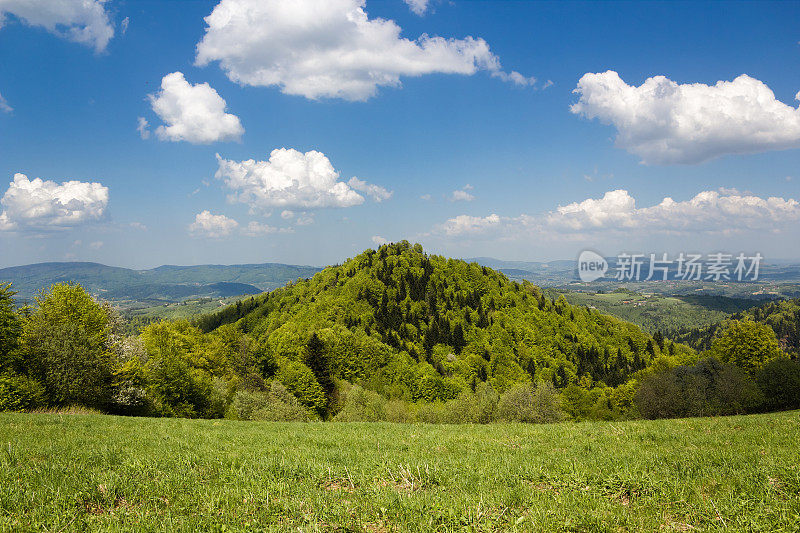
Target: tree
column 746, row 344
column 10, row 330
column 68, row 345
column 707, row 388
column 779, row 380
column 317, row 361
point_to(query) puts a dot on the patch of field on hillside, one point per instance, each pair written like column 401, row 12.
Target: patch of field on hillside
column 655, row 312
column 94, row 472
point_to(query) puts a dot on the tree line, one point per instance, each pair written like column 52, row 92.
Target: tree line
column 392, row 334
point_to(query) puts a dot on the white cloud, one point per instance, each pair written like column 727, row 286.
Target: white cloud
column 193, row 113
column 123, row 26
column 291, row 179
column 138, row 225
column 255, row 229
column 213, row 226
column 376, row 192
column 329, row 49
column 462, row 195
column 4, row 105
column 143, row 127
column 378, row 240
column 723, row 212
column 615, row 207
column 664, row 122
column 82, row 21
column 418, row 7
column 96, row 245
column 37, row 204
column 287, row 214
column 465, row 224
column 306, row 219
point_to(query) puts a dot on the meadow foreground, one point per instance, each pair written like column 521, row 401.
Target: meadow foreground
column 97, row 472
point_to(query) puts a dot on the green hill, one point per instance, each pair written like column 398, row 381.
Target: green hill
column 425, row 328
column 165, row 283
column 783, row 316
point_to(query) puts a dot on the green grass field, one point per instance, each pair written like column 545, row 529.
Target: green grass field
column 95, row 472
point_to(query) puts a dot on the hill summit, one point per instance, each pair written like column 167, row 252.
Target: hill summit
column 423, row 327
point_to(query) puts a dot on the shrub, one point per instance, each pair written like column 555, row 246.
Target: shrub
column 399, row 411
column 361, row 405
column 19, row 393
column 705, row 389
column 300, row 381
column 176, row 389
column 275, row 405
column 532, row 404
column 779, row 380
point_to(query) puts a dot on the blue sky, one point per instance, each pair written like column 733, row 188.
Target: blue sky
column 516, row 149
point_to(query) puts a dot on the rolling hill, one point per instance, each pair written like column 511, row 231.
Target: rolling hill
column 166, row 283
column 421, row 326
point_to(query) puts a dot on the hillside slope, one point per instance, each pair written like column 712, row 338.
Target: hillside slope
column 168, row 283
column 782, row 316
column 390, row 317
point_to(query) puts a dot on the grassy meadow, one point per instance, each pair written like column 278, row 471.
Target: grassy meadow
column 68, row 472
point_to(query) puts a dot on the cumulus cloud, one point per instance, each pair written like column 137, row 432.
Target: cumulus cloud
column 291, row 179
column 723, row 212
column 330, row 49
column 81, row 21
column 418, row 7
column 40, row 205
column 212, row 226
column 465, row 224
column 377, row 240
column 4, row 105
column 462, row 195
column 376, row 192
column 192, row 113
column 665, row 122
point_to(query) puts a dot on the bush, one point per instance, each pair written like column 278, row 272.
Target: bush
column 399, row 411
column 779, row 380
column 176, row 389
column 300, row 381
column 532, row 404
column 707, row 388
column 18, row 393
column 275, row 405
column 361, row 405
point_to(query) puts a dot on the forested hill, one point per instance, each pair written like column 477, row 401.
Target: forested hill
column 170, row 283
column 390, row 314
column 782, row 316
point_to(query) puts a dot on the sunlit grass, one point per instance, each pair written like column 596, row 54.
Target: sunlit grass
column 79, row 472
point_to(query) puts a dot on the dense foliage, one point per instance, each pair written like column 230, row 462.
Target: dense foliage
column 392, row 334
column 783, row 316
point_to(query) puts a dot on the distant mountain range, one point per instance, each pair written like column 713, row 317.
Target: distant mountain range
column 170, row 283
column 166, row 283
